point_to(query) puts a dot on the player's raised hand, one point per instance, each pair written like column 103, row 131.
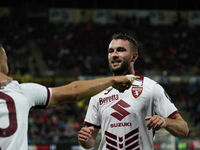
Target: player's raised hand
column 124, row 82
column 155, row 122
column 4, row 79
column 85, row 134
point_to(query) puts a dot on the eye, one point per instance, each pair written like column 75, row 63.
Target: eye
column 121, row 49
column 110, row 50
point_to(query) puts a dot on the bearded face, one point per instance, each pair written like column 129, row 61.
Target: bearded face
column 121, row 68
column 120, row 57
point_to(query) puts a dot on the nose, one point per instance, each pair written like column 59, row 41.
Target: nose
column 115, row 54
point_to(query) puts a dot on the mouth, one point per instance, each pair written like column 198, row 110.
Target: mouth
column 115, row 62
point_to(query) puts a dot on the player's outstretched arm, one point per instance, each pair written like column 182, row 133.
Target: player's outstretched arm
column 79, row 90
column 175, row 125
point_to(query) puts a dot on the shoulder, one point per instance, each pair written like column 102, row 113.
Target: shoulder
column 30, row 85
column 154, row 87
column 23, row 87
column 16, row 84
column 13, row 85
column 149, row 82
column 144, row 81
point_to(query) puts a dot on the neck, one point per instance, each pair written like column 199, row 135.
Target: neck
column 125, row 73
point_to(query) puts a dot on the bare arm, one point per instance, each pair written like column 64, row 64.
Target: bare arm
column 87, row 136
column 175, row 125
column 80, row 90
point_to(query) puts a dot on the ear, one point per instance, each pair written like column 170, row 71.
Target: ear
column 134, row 57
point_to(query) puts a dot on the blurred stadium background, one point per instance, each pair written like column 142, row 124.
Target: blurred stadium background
column 56, row 42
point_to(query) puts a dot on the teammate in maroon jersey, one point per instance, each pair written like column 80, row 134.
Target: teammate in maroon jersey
column 128, row 119
column 17, row 99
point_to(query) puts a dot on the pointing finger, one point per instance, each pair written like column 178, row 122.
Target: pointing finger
column 132, row 76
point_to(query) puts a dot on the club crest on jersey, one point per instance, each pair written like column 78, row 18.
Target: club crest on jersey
column 136, row 91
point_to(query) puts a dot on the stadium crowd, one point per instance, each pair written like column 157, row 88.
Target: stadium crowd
column 73, row 49
column 176, row 47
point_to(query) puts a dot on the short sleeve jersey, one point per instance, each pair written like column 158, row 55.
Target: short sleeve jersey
column 15, row 102
column 121, row 114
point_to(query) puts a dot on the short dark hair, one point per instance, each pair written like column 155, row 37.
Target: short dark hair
column 124, row 36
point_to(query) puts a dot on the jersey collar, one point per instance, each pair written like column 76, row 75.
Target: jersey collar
column 138, row 82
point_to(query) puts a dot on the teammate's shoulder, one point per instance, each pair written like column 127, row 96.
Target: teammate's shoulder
column 16, row 84
column 13, row 83
column 11, row 86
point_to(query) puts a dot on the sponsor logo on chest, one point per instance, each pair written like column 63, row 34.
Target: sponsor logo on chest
column 103, row 100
